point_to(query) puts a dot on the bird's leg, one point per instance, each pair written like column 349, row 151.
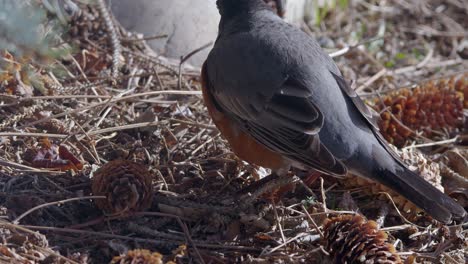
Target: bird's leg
column 270, row 183
column 275, row 185
column 308, row 177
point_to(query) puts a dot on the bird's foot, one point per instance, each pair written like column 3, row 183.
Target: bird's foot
column 273, row 187
column 308, row 177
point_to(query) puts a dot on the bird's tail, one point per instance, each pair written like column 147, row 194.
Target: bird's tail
column 420, row 192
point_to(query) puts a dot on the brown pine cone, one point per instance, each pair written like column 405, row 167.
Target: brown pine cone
column 351, row 239
column 407, row 208
column 126, row 184
column 86, row 23
column 416, row 161
column 140, row 256
column 431, row 109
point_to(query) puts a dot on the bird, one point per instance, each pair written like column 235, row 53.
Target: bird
column 281, row 102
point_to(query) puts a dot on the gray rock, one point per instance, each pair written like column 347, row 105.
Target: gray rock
column 295, row 10
column 189, row 24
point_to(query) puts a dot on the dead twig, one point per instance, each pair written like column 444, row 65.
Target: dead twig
column 16, row 221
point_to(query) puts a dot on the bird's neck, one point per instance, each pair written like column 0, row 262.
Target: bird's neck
column 236, row 15
column 232, row 8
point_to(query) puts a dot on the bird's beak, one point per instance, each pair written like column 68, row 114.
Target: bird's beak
column 280, row 7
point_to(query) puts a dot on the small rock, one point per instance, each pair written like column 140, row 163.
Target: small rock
column 463, row 49
column 188, row 24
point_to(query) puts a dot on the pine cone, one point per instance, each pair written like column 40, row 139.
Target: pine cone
column 127, row 185
column 86, row 22
column 431, row 109
column 417, row 162
column 351, row 239
column 140, row 256
column 409, row 210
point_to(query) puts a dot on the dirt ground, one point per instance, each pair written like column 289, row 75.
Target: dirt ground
column 110, row 98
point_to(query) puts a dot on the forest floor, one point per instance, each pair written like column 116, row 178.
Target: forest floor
column 111, row 98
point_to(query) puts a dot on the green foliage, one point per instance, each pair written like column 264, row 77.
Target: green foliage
column 309, row 201
column 30, row 43
column 418, row 53
column 323, row 7
column 25, row 30
column 400, row 56
column 343, row 3
column 389, row 64
column 397, row 58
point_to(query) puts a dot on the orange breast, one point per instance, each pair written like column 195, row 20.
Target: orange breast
column 243, row 145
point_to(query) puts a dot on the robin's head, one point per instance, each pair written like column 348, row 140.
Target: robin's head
column 231, row 8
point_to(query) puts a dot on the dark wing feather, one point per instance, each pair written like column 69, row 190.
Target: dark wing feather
column 370, row 115
column 288, row 123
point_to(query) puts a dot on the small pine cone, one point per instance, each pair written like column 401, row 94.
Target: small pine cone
column 87, row 23
column 431, row 109
column 416, row 161
column 126, row 184
column 407, row 208
column 140, row 256
column 54, row 126
column 422, row 164
column 351, row 239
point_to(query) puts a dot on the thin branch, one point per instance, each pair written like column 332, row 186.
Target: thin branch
column 16, row 221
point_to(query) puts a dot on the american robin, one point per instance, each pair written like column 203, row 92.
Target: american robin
column 282, row 103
